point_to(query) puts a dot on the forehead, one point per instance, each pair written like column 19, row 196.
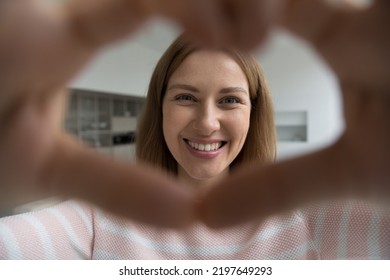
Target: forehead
column 209, row 65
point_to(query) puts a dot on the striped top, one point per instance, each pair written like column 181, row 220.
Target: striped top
column 74, row 230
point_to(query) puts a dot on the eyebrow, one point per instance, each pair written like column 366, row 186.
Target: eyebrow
column 233, row 89
column 226, row 90
column 184, row 86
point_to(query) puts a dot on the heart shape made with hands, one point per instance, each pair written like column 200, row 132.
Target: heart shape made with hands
column 355, row 165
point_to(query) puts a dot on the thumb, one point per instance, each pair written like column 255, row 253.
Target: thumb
column 136, row 192
column 315, row 20
column 259, row 192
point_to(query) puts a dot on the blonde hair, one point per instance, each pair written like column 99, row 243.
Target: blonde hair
column 260, row 144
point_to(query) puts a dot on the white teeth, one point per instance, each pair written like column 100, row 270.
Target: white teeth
column 205, row 147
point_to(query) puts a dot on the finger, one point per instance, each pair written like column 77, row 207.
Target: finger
column 354, row 41
column 28, row 133
column 101, row 22
column 38, row 52
column 252, row 20
column 318, row 21
column 139, row 193
column 263, row 191
column 36, row 38
column 205, row 22
column 311, row 20
column 23, row 148
column 366, row 116
column 358, row 49
column 315, row 20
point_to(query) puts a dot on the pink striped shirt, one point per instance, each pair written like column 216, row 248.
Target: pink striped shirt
column 74, row 230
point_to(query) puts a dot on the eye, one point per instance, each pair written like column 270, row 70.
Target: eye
column 230, row 100
column 185, row 98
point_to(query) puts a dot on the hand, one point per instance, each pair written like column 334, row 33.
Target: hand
column 31, row 89
column 41, row 49
column 221, row 23
column 355, row 44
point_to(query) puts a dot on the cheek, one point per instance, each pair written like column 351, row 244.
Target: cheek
column 173, row 122
column 239, row 124
column 167, row 123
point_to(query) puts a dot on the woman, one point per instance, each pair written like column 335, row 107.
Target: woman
column 198, row 98
column 207, row 113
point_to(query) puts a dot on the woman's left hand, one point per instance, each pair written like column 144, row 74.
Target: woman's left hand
column 355, row 44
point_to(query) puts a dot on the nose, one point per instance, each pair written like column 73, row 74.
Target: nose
column 207, row 119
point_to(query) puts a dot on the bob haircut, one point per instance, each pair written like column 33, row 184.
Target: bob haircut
column 260, row 144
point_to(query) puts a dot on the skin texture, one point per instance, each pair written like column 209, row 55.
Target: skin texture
column 35, row 40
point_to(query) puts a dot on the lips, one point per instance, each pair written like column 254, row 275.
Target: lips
column 206, row 147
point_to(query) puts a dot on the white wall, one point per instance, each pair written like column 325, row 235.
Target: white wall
column 122, row 69
column 298, row 79
column 126, row 67
column 301, row 81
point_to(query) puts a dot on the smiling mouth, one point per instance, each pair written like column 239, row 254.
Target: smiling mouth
column 211, row 147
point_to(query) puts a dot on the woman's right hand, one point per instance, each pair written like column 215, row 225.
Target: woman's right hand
column 41, row 50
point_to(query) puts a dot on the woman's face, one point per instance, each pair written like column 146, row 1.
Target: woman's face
column 206, row 112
